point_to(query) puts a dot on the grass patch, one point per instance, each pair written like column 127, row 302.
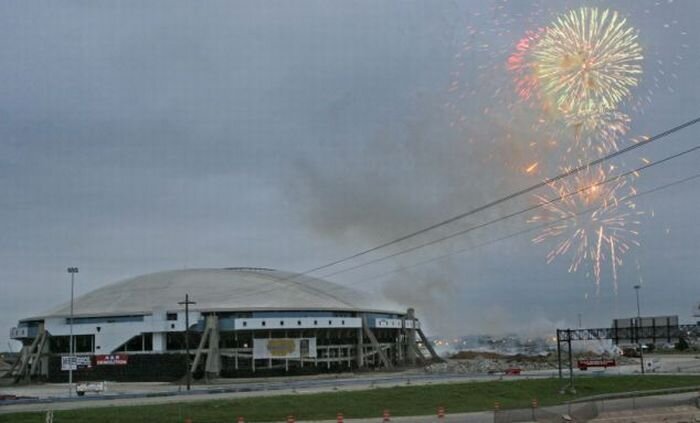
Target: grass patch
column 401, row 401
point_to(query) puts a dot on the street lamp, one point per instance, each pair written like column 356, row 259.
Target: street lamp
column 639, row 328
column 72, row 271
column 187, row 303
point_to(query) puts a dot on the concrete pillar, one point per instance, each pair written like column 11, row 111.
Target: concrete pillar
column 411, row 337
column 360, row 349
column 212, row 366
column 158, row 341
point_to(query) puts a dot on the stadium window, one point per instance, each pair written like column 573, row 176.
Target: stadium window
column 171, row 316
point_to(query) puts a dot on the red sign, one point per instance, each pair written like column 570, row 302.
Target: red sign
column 111, row 360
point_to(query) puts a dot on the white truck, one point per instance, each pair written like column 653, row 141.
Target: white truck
column 83, row 387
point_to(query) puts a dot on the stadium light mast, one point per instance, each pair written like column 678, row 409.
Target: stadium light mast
column 187, row 303
column 71, row 341
column 639, row 328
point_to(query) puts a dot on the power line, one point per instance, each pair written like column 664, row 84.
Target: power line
column 293, row 278
column 509, row 236
column 510, row 196
column 528, row 230
column 519, row 212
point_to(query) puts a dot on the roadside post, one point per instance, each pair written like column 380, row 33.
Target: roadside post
column 535, row 404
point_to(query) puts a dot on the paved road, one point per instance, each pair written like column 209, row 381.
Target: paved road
column 55, row 396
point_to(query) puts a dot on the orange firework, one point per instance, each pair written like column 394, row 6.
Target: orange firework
column 594, row 220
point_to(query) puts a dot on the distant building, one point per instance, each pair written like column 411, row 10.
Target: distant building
column 246, row 322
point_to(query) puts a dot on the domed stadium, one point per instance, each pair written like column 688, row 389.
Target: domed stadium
column 240, row 322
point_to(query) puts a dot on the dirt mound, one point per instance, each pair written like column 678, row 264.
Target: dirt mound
column 470, row 355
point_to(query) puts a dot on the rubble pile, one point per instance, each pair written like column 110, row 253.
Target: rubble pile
column 485, row 362
column 491, row 362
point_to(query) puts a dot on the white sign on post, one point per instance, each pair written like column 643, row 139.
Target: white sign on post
column 75, row 362
column 69, row 362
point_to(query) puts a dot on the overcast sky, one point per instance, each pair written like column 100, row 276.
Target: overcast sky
column 144, row 136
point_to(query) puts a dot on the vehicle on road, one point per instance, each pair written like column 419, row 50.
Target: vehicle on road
column 82, row 388
column 596, row 362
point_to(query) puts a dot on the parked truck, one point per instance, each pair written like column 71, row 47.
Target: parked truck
column 596, row 362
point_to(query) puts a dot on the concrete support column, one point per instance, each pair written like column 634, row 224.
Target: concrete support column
column 411, row 337
column 360, row 348
column 212, row 366
column 158, row 341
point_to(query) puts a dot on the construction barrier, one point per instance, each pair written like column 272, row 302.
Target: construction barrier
column 496, row 405
column 535, row 403
column 241, row 419
column 339, row 418
column 290, row 419
column 441, row 413
column 386, row 416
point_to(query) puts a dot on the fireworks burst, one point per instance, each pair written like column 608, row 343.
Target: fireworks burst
column 587, row 60
column 598, row 130
column 522, row 65
column 594, row 221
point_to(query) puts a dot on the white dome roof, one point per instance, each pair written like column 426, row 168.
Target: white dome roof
column 232, row 289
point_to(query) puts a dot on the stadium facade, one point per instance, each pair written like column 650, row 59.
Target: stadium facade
column 243, row 322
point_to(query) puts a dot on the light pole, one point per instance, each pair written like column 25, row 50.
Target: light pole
column 187, row 303
column 639, row 328
column 72, row 271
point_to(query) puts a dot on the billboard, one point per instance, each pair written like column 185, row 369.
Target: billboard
column 646, row 330
column 285, row 348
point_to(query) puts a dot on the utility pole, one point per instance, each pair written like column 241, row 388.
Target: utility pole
column 187, row 303
column 639, row 329
column 71, row 348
